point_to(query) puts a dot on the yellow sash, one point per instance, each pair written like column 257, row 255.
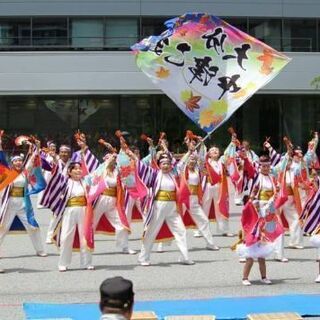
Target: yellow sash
column 193, row 189
column 164, row 195
column 111, row 192
column 16, row 192
column 80, row 201
column 265, row 195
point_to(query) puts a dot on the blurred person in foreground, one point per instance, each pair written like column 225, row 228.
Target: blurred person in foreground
column 116, row 299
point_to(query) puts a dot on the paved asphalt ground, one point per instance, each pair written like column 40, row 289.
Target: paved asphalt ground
column 33, row 279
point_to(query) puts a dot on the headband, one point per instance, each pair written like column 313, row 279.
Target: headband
column 64, row 148
column 17, row 157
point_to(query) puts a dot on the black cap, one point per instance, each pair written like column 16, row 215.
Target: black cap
column 116, row 293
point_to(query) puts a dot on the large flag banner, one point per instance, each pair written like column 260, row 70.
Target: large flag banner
column 207, row 67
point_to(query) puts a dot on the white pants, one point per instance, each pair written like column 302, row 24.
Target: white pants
column 106, row 205
column 164, row 211
column 279, row 247
column 315, row 242
column 212, row 194
column 129, row 208
column 238, row 197
column 51, row 228
column 73, row 218
column 16, row 208
column 128, row 211
column 39, row 197
column 292, row 216
column 200, row 219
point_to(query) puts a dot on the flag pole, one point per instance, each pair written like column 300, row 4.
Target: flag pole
column 204, row 139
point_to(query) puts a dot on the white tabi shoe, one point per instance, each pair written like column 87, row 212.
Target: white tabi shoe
column 317, row 279
column 90, row 268
column 62, row 269
column 42, row 254
column 295, row 247
column 2, row 271
column 242, row 260
column 228, row 234
column 246, row 282
column 197, row 234
column 145, row 263
column 212, row 247
column 284, row 260
column 48, row 241
column 266, row 281
column 187, row 262
column 129, row 251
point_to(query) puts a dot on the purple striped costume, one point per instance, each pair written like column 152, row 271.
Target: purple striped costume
column 310, row 217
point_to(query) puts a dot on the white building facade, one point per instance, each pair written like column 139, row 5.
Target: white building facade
column 67, row 65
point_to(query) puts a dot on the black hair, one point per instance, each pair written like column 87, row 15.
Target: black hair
column 264, row 158
column 72, row 165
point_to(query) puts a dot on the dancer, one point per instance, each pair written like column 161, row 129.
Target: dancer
column 161, row 206
column 215, row 201
column 260, row 223
column 48, row 154
column 16, row 212
column 190, row 181
column 71, row 203
column 310, row 217
column 61, row 163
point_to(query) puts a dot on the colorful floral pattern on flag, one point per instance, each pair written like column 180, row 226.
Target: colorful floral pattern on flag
column 207, row 67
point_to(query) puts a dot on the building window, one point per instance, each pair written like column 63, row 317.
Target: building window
column 51, row 32
column 266, row 30
column 121, row 33
column 15, row 33
column 240, row 23
column 153, row 26
column 87, row 33
column 318, row 31
column 299, row 35
column 56, row 118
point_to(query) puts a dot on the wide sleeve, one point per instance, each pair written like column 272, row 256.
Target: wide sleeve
column 182, row 163
column 152, row 154
column 54, row 190
column 146, row 173
column 90, row 161
column 275, row 157
column 3, row 159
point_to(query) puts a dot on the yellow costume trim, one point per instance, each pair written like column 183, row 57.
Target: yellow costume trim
column 164, row 195
column 111, row 192
column 80, row 201
column 193, row 189
column 16, row 192
column 290, row 190
column 164, row 240
column 106, row 233
column 265, row 195
column 191, row 227
column 240, row 240
column 17, row 232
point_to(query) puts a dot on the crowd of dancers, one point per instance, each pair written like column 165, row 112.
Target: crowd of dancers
column 169, row 193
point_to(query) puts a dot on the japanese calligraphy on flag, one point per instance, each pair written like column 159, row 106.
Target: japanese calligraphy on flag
column 207, row 67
